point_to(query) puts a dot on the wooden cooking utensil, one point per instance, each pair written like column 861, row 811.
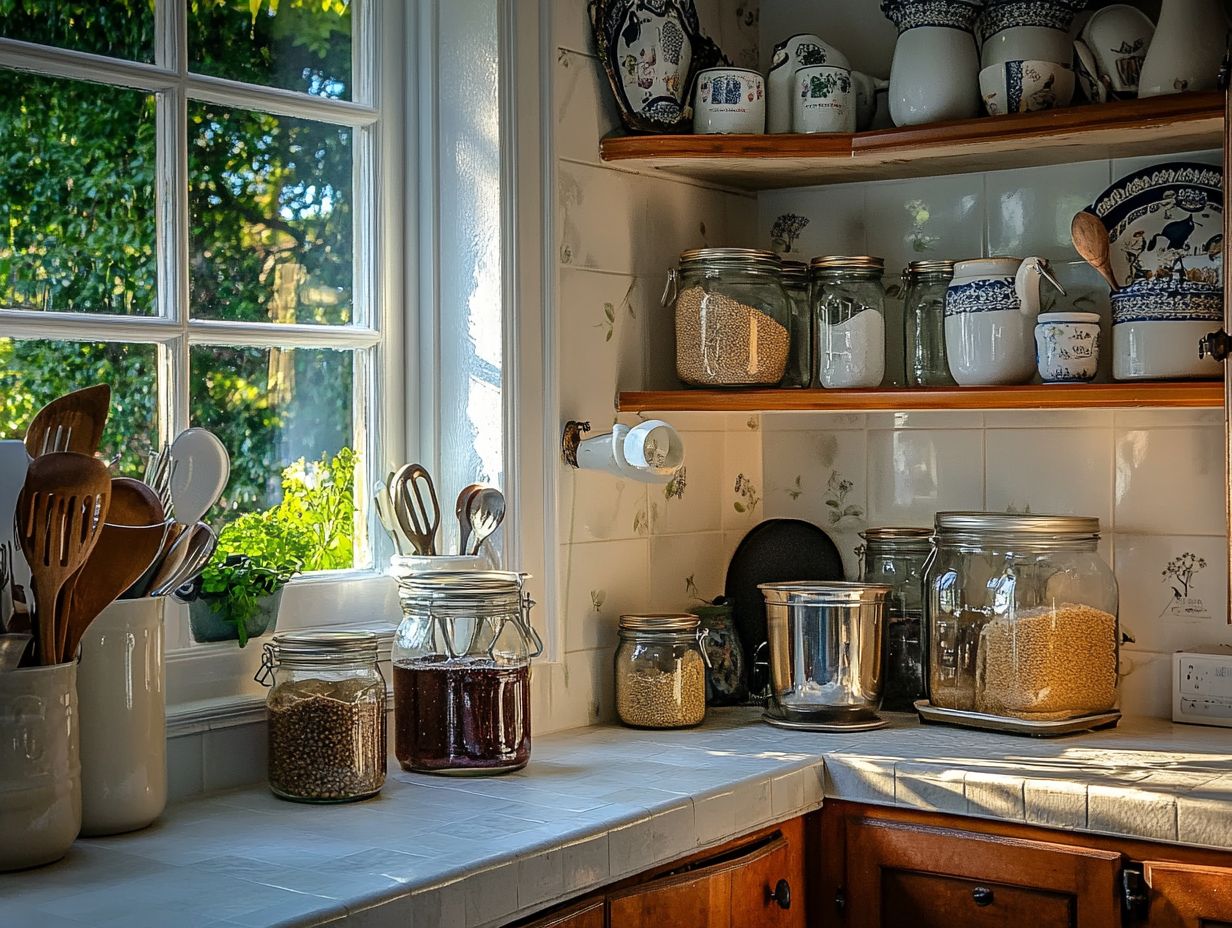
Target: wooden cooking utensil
column 134, row 503
column 72, row 422
column 60, row 514
column 1091, row 242
column 123, row 553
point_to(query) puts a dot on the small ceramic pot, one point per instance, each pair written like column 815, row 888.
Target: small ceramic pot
column 799, row 51
column 1156, row 328
column 208, row 624
column 121, row 682
column 40, row 767
column 990, row 311
column 1187, row 49
column 825, row 100
column 1026, row 87
column 1119, row 37
column 1026, row 30
column 729, row 101
column 1067, row 347
column 935, row 72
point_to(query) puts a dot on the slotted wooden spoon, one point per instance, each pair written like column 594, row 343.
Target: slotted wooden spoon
column 72, row 422
column 60, row 514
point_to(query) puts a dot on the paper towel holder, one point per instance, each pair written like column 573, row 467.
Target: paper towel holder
column 649, row 452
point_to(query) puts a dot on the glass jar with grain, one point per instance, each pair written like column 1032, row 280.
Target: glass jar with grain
column 660, row 671
column 1022, row 615
column 896, row 556
column 733, row 317
column 326, row 716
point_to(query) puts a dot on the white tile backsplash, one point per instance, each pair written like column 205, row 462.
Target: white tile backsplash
column 1170, row 481
column 1049, row 471
column 1030, row 209
column 915, row 474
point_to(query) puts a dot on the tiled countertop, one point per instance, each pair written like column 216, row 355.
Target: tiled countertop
column 599, row 804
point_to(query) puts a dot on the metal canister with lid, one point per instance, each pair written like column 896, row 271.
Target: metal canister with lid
column 849, row 312
column 326, row 715
column 733, row 318
column 660, row 670
column 925, row 283
column 897, row 557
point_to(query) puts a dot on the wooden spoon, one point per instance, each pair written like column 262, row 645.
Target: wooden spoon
column 1091, row 241
column 72, row 422
column 134, row 503
column 122, row 555
column 60, row 514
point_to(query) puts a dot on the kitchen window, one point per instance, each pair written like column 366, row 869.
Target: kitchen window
column 201, row 203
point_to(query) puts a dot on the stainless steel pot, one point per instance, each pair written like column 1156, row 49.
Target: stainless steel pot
column 827, row 649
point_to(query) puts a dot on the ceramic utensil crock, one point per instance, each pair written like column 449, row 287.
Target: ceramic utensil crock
column 40, row 768
column 1187, row 49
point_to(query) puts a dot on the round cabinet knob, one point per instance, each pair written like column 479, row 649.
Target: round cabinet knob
column 982, row 896
column 781, row 894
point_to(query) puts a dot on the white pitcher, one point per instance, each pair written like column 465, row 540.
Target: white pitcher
column 990, row 310
column 1187, row 50
column 936, row 68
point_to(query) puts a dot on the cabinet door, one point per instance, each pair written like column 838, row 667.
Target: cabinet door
column 903, row 875
column 761, row 886
column 1188, row 896
column 586, row 915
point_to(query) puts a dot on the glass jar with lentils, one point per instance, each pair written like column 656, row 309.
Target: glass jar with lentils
column 326, row 715
column 660, row 671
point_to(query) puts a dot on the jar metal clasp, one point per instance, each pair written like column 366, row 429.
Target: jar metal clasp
column 672, row 287
column 265, row 673
column 702, row 635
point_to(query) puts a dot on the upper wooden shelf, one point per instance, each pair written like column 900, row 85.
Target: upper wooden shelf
column 1176, row 395
column 1154, row 126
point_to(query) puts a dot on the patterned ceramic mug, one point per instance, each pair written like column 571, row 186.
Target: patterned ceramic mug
column 1067, row 347
column 824, row 101
column 729, row 100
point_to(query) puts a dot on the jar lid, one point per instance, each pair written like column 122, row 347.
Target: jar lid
column 1086, row 318
column 451, row 583
column 824, row 593
column 929, row 268
column 321, row 647
column 660, row 622
column 737, row 257
column 1016, row 523
column 831, row 263
column 899, row 535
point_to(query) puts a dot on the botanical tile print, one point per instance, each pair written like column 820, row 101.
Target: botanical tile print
column 608, row 322
column 753, row 423
column 596, row 599
column 786, row 230
column 842, row 513
column 747, row 495
column 674, row 488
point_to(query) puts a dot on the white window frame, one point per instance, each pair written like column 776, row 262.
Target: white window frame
column 385, row 236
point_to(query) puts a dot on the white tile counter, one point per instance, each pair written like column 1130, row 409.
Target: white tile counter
column 596, row 805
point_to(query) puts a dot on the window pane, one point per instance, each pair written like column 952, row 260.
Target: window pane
column 302, row 45
column 77, row 209
column 282, row 413
column 117, row 28
column 271, row 229
column 34, row 372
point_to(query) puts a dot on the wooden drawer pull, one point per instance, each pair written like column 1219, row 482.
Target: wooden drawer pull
column 982, row 896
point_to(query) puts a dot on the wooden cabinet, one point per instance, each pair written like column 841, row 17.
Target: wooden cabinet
column 1187, row 895
column 589, row 914
column 757, row 886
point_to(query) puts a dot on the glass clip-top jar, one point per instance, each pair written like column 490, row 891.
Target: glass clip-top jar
column 1022, row 614
column 897, row 557
column 733, row 318
column 849, row 306
column 925, row 284
column 660, row 669
column 461, row 666
column 326, row 716
column 800, row 361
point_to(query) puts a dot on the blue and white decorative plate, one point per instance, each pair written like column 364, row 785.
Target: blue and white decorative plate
column 1165, row 225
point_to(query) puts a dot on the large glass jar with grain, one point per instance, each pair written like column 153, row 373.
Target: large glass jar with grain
column 1022, row 615
column 660, row 671
column 733, row 317
column 326, row 716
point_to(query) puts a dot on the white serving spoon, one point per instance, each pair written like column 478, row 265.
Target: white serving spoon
column 13, row 465
column 200, row 468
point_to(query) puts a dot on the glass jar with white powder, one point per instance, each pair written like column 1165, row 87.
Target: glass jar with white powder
column 849, row 308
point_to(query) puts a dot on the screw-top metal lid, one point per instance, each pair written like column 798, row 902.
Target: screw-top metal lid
column 936, row 268
column 1015, row 524
column 735, row 257
column 898, row 536
column 795, row 272
column 660, row 622
column 316, row 649
column 832, row 263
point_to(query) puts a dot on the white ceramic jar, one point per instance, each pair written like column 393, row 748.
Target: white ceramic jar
column 121, row 681
column 1188, row 48
column 825, row 100
column 935, row 72
column 1067, row 347
column 990, row 311
column 1156, row 330
column 1027, row 30
column 796, row 52
column 729, row 101
column 40, row 767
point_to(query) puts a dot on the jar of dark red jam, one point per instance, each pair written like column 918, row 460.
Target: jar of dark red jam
column 461, row 668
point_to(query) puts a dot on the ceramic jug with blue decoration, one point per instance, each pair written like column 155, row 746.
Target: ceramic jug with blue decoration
column 991, row 307
column 935, row 72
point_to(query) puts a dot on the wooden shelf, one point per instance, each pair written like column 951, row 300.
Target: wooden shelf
column 1154, row 126
column 1179, row 394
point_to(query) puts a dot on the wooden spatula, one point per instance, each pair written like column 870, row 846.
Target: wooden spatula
column 60, row 513
column 122, row 555
column 1091, row 242
column 72, row 422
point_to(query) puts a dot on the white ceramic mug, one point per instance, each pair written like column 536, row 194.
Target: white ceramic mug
column 1067, row 347
column 123, row 718
column 729, row 101
column 798, row 51
column 825, row 100
column 40, row 768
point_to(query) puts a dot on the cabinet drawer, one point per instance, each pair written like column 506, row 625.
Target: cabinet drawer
column 926, row 900
column 758, row 886
column 1188, row 896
